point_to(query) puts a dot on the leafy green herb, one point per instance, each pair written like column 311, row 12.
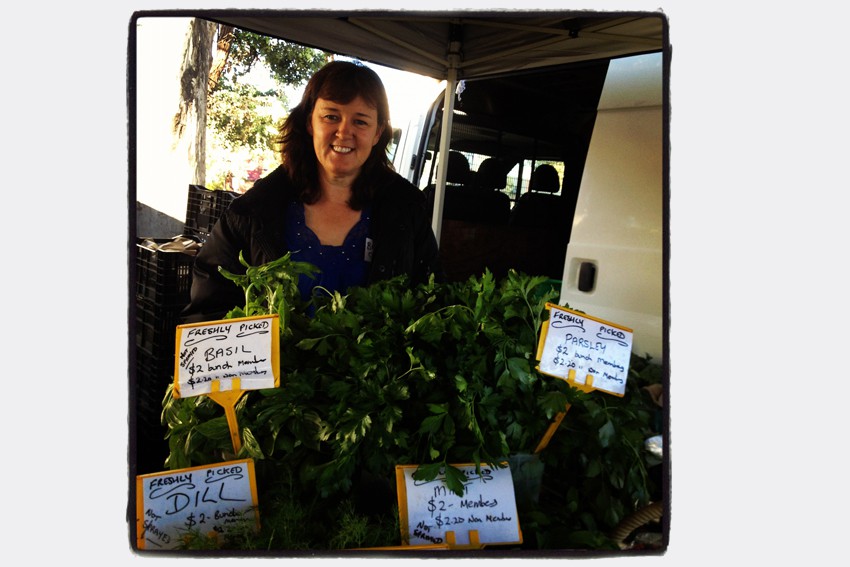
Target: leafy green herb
column 432, row 375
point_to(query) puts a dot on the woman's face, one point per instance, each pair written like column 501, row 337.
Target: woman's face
column 343, row 136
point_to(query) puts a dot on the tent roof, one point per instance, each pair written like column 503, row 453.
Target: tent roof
column 460, row 45
column 476, row 44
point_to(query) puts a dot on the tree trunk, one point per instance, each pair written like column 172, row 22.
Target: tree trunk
column 190, row 121
column 225, row 39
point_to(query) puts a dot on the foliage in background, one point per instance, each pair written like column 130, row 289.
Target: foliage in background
column 242, row 115
column 289, row 63
column 432, row 374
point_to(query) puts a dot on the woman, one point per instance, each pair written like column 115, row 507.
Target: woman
column 334, row 202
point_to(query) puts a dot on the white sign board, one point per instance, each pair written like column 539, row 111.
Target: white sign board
column 207, row 499
column 429, row 509
column 220, row 352
column 584, row 350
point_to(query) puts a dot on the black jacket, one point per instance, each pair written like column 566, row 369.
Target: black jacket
column 254, row 223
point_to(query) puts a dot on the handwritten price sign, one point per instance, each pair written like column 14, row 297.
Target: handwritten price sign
column 207, row 499
column 584, row 350
column 225, row 351
column 428, row 509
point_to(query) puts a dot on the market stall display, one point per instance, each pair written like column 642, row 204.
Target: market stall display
column 431, row 375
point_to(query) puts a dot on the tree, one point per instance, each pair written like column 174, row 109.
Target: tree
column 225, row 40
column 189, row 123
column 216, row 98
column 236, row 107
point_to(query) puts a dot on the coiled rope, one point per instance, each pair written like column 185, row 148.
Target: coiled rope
column 650, row 513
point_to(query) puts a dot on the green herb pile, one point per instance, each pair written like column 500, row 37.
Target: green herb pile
column 433, row 374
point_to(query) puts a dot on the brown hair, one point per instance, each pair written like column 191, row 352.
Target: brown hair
column 341, row 82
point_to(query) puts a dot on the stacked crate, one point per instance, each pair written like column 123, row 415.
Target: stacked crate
column 203, row 209
column 163, row 282
column 164, row 278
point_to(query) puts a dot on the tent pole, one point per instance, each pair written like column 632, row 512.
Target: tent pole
column 445, row 139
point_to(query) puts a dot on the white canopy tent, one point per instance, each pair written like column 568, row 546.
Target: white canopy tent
column 460, row 45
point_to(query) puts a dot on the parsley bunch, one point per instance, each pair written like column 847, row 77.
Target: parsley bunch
column 433, row 374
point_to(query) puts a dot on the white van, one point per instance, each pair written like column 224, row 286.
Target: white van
column 577, row 155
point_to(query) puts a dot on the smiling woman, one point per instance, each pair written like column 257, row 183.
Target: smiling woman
column 343, row 138
column 344, row 134
column 335, row 202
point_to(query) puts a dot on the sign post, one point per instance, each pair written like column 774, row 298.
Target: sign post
column 222, row 359
column 589, row 353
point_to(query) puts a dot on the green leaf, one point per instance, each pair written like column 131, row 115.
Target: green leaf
column 592, row 408
column 514, row 431
column 606, row 434
column 432, row 423
column 455, row 480
column 615, row 477
column 215, row 428
column 594, row 467
column 460, row 383
column 427, row 472
column 448, row 426
column 553, row 403
column 250, row 446
column 506, row 381
column 339, row 390
column 521, row 370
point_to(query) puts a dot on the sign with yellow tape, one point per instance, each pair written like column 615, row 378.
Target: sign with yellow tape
column 589, row 353
column 210, row 499
column 231, row 354
column 223, row 359
column 432, row 514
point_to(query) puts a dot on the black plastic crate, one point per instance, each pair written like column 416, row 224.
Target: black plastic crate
column 164, row 270
column 151, row 447
column 151, row 386
column 203, row 209
column 163, row 282
column 155, row 363
column 156, row 328
column 155, row 344
column 154, row 373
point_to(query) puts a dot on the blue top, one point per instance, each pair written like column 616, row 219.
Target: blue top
column 341, row 267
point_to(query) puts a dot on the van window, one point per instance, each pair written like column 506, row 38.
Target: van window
column 526, row 121
column 518, row 175
column 392, row 147
column 519, row 178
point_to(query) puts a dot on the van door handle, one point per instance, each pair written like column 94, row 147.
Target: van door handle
column 586, row 276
